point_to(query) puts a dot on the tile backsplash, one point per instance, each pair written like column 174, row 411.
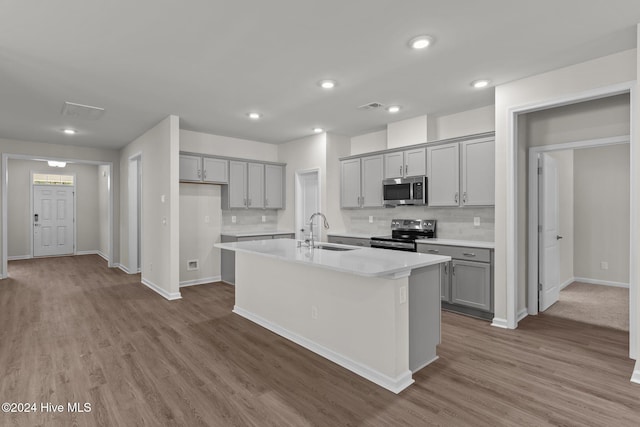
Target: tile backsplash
column 453, row 223
column 249, row 220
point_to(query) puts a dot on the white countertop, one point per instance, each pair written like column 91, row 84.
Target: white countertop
column 452, row 242
column 255, row 233
column 368, row 262
column 348, row 234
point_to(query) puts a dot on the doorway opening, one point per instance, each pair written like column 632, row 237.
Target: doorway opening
column 579, row 218
column 135, row 213
column 307, row 202
column 53, row 213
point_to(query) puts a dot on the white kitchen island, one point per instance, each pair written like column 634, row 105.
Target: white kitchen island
column 375, row 312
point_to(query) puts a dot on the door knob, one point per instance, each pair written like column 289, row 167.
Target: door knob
column 558, row 237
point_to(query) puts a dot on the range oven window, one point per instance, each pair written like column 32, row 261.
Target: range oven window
column 397, row 191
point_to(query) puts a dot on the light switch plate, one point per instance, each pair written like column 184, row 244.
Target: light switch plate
column 233, row 219
column 476, row 221
column 264, row 218
column 370, row 219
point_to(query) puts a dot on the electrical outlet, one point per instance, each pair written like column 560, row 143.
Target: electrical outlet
column 604, row 265
column 206, row 219
column 370, row 219
column 164, row 220
column 264, row 218
column 163, row 198
column 314, row 312
column 403, row 295
column 233, row 219
column 476, row 221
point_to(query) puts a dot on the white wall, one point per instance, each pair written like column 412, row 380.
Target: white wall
column 70, row 152
column 612, row 69
column 373, row 141
column 602, row 213
column 303, row 154
column 197, row 235
column 217, row 145
column 478, row 120
column 564, row 161
column 159, row 147
column 337, row 146
column 19, row 204
column 103, row 208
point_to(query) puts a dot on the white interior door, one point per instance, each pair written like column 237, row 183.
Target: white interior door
column 307, row 203
column 549, row 272
column 53, row 231
column 135, row 195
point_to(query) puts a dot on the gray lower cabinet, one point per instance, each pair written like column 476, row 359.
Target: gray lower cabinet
column 353, row 241
column 466, row 280
column 228, row 258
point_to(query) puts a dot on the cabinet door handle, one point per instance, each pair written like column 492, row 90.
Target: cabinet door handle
column 455, row 198
column 266, row 202
column 362, row 201
column 446, row 270
column 464, row 198
column 400, row 170
column 433, row 251
column 199, row 173
column 244, row 202
column 406, row 169
column 453, row 269
column 469, row 254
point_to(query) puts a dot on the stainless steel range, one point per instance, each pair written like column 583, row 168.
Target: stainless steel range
column 404, row 233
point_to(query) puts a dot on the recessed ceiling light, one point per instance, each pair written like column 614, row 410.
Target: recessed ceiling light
column 254, row 116
column 393, row 109
column 318, row 130
column 327, row 84
column 479, row 84
column 421, row 42
column 69, row 131
column 56, row 164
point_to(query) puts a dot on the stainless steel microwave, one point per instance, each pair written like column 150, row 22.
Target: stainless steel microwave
column 405, row 191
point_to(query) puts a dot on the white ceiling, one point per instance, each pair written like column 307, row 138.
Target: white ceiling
column 212, row 61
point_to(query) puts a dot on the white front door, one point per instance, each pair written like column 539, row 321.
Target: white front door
column 549, row 273
column 52, row 220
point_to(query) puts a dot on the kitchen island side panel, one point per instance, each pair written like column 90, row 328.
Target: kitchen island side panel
column 360, row 318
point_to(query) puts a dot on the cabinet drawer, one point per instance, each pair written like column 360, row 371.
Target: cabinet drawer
column 284, row 236
column 456, row 252
column 249, row 238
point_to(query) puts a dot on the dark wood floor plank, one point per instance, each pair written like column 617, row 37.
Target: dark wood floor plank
column 73, row 330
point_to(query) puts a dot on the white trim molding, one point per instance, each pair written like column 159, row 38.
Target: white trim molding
column 567, row 282
column 635, row 376
column 19, row 257
column 500, row 323
column 601, row 282
column 395, row 385
column 167, row 295
column 522, row 314
column 202, row 281
column 123, row 268
column 511, row 242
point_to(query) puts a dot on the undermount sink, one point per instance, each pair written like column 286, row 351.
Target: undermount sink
column 333, row 248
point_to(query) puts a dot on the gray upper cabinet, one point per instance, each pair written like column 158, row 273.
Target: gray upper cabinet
column 274, row 186
column 214, row 170
column 443, row 166
column 190, row 168
column 405, row 163
column 255, row 185
column 372, row 168
column 350, row 183
column 361, row 182
column 478, row 172
column 237, row 188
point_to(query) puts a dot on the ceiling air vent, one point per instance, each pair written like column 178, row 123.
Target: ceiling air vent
column 83, row 111
column 370, row 106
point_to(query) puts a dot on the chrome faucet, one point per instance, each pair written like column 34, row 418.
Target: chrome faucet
column 310, row 241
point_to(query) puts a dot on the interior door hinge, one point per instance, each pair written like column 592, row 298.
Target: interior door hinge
column 539, row 228
column 539, row 170
column 539, row 286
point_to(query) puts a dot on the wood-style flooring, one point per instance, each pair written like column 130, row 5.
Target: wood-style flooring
column 72, row 330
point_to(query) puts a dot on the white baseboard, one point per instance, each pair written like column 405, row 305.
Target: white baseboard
column 635, row 377
column 426, row 364
column 18, row 257
column 500, row 323
column 522, row 314
column 103, row 255
column 567, row 282
column 395, row 385
column 601, row 282
column 86, row 253
column 170, row 296
column 200, row 281
column 123, row 268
